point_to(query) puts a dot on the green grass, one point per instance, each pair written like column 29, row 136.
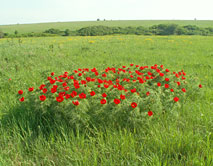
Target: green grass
column 184, row 137
column 41, row 27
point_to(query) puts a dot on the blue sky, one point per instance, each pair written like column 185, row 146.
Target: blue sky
column 33, row 11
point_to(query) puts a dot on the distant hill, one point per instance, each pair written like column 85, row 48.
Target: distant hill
column 40, row 27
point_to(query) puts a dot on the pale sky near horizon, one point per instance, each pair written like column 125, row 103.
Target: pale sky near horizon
column 35, row 11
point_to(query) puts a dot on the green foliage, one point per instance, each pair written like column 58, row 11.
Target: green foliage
column 1, row 34
column 180, row 137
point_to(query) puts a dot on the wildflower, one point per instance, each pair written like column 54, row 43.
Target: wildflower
column 20, row 92
column 183, row 89
column 92, row 93
column 133, row 105
column 42, row 97
column 166, row 85
column 76, row 102
column 104, row 95
column 82, row 95
column 150, row 113
column 117, row 101
column 31, row 89
column 122, row 97
column 21, row 99
column 103, row 101
column 176, row 99
column 59, row 99
column 200, row 86
column 158, row 84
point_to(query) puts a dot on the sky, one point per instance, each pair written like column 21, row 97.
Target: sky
column 36, row 11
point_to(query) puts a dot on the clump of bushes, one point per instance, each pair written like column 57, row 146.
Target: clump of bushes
column 124, row 96
column 161, row 29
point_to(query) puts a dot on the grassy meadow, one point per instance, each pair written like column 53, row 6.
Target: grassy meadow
column 41, row 27
column 183, row 137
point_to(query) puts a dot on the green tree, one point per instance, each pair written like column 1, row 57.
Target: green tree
column 67, row 32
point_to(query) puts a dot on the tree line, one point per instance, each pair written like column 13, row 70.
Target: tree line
column 161, row 29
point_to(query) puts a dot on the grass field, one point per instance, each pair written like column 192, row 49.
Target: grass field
column 184, row 137
column 41, row 27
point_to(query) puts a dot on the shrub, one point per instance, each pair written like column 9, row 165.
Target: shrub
column 1, row 34
column 120, row 96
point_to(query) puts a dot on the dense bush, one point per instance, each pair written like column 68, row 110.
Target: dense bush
column 161, row 29
column 1, row 34
column 121, row 96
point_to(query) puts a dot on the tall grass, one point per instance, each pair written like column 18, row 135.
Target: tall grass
column 182, row 137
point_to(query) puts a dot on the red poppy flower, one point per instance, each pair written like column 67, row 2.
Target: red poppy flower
column 44, row 90
column 42, row 97
column 167, row 70
column 52, row 81
column 166, row 85
column 103, row 101
column 76, row 102
column 117, row 101
column 104, row 95
column 158, row 84
column 92, row 93
column 133, row 105
column 67, row 96
column 31, row 89
column 59, row 99
column 20, row 92
column 178, row 83
column 67, row 88
column 42, row 87
column 176, row 99
column 21, row 99
column 150, row 113
column 52, row 74
column 161, row 74
column 133, row 90
column 147, row 93
column 200, row 86
column 104, row 75
column 172, row 90
column 183, row 89
column 106, row 85
column 131, row 64
column 122, row 97
column 53, row 90
column 166, row 79
column 82, row 95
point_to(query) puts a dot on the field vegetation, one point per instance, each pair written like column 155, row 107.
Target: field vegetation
column 178, row 136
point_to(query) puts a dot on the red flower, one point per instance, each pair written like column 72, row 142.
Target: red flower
column 200, row 86
column 42, row 97
column 104, row 75
column 82, row 95
column 73, row 94
column 178, row 83
column 131, row 64
column 42, row 87
column 67, row 96
column 133, row 105
column 158, row 84
column 117, row 101
column 64, row 84
column 183, row 89
column 53, row 90
column 44, row 90
column 52, row 81
column 21, row 99
column 166, row 85
column 92, row 93
column 67, row 88
column 103, row 101
column 172, row 90
column 106, row 85
column 166, row 79
column 122, row 97
column 176, row 99
column 133, row 90
column 104, row 95
column 59, row 99
column 150, row 113
column 31, row 89
column 76, row 102
column 20, row 92
column 161, row 74
column 167, row 70
column 147, row 93
column 52, row 74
